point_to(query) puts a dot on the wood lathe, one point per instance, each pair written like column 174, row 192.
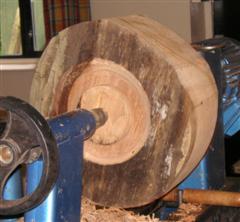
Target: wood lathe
column 157, row 103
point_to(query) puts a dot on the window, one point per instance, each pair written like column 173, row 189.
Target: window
column 22, row 32
column 10, row 36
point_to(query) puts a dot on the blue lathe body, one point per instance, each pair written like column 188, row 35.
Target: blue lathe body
column 64, row 202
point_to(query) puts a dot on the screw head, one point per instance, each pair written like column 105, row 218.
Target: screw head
column 6, row 154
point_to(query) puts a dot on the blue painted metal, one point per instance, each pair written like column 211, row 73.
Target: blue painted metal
column 69, row 185
column 231, row 97
column 46, row 211
column 64, row 202
column 231, row 117
column 13, row 188
column 13, row 191
column 199, row 177
column 73, row 124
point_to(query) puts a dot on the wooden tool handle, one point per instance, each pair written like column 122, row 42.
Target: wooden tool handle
column 207, row 197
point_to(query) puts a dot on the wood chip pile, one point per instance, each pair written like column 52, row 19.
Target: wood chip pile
column 186, row 213
column 90, row 213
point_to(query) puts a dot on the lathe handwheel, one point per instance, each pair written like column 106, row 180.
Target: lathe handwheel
column 25, row 138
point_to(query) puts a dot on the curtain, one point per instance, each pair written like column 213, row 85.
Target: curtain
column 59, row 14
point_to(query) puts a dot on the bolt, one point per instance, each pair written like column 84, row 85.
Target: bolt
column 6, row 154
column 35, row 153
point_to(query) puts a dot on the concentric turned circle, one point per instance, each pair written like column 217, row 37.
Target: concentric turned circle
column 104, row 84
column 115, row 104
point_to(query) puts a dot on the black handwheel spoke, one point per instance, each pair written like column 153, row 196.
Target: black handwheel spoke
column 7, row 170
column 17, row 129
column 4, row 174
column 12, row 126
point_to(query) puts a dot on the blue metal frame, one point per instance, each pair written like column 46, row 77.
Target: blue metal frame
column 231, row 97
column 13, row 191
column 64, row 202
column 231, row 117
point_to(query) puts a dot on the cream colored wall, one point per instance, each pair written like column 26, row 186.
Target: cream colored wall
column 16, row 77
column 176, row 14
column 172, row 13
column 201, row 21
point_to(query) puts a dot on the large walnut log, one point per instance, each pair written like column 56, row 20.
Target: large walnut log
column 158, row 93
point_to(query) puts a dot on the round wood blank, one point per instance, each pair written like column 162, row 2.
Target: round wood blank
column 158, row 93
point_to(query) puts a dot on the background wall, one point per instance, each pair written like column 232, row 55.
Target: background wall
column 191, row 19
column 16, row 77
column 172, row 13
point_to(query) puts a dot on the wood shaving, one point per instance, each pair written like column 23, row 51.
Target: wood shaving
column 90, row 213
column 186, row 213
